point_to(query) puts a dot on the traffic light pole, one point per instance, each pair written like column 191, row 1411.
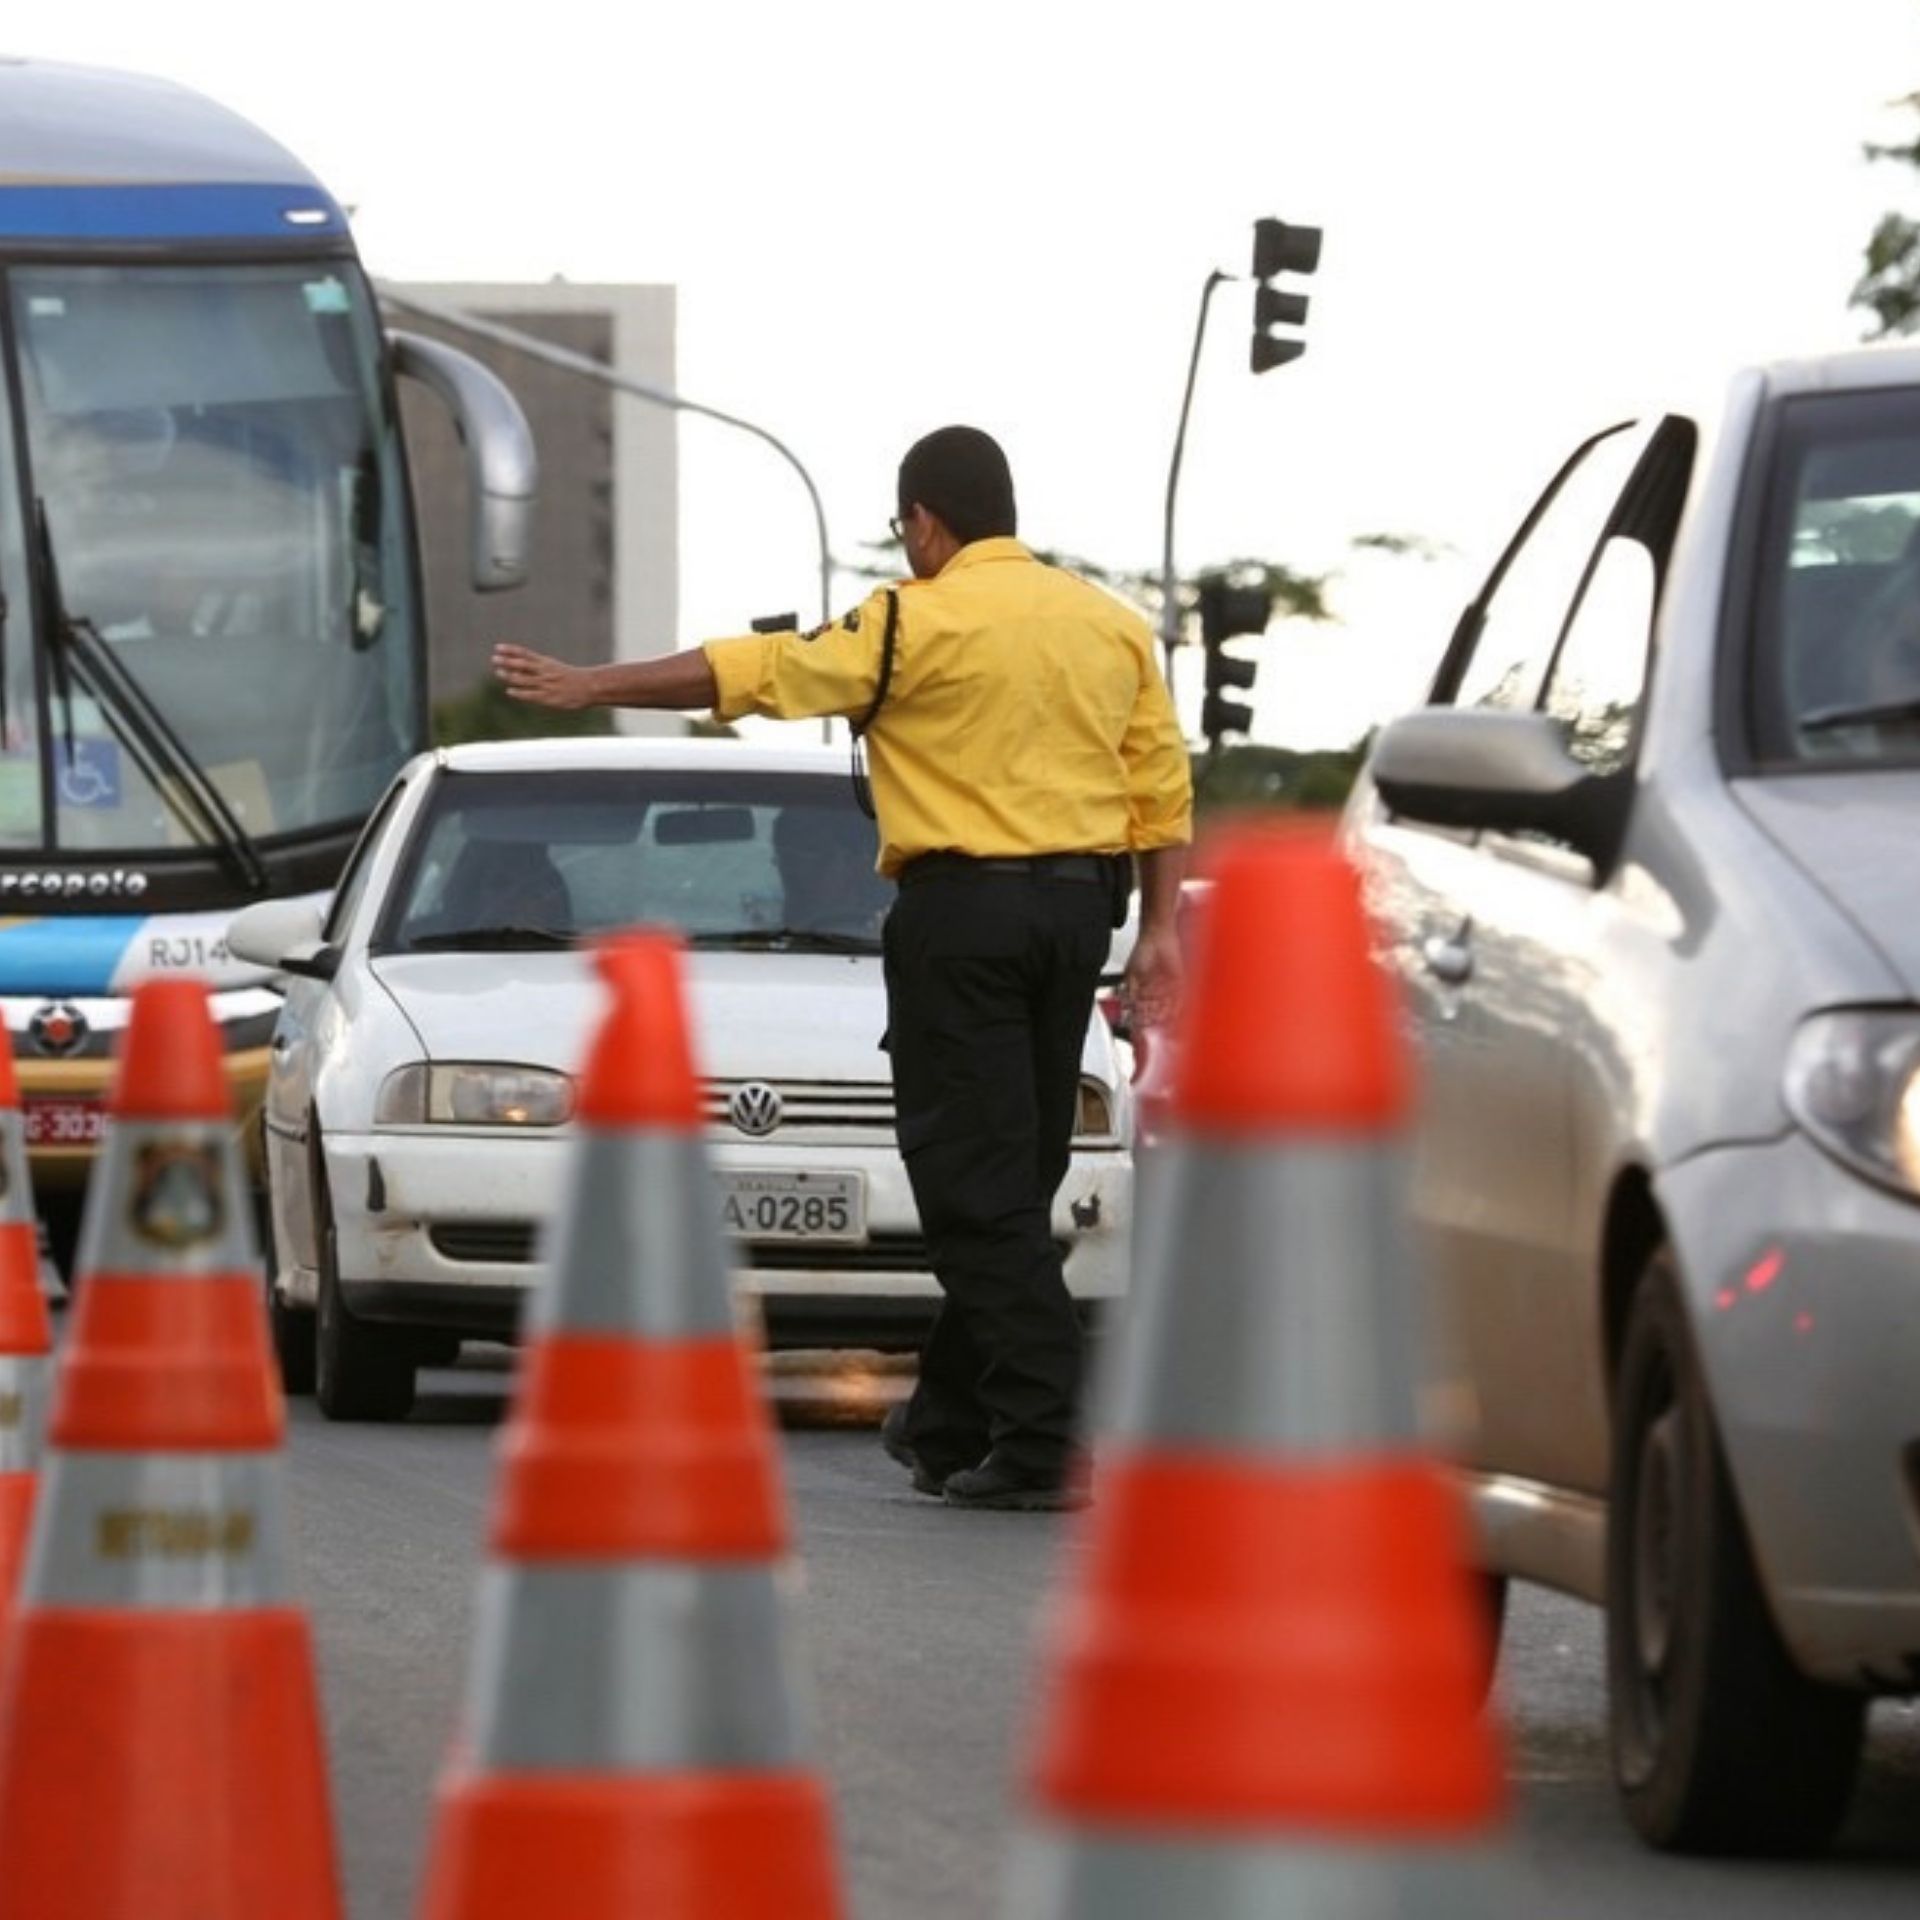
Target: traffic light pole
column 1170, row 621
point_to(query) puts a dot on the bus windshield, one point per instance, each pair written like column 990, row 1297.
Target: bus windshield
column 213, row 459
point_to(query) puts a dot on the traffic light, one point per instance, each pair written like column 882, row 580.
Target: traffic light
column 1227, row 611
column 1277, row 249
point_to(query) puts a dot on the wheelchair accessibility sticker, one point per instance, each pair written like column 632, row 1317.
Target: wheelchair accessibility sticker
column 88, row 774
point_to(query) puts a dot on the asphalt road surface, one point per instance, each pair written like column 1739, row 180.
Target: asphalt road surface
column 917, row 1626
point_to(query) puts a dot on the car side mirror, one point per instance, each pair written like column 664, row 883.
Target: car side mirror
column 284, row 936
column 321, row 964
column 1478, row 767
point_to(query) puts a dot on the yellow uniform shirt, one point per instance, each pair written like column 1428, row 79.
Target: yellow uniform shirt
column 1026, row 712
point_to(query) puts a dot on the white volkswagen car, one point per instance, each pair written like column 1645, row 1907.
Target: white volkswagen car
column 421, row 1087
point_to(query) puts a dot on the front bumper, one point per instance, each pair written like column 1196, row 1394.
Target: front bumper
column 1804, row 1286
column 243, row 1016
column 450, row 1223
column 58, row 1169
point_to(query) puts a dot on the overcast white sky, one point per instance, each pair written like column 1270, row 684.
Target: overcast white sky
column 882, row 217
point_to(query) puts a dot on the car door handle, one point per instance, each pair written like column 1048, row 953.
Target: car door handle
column 1448, row 960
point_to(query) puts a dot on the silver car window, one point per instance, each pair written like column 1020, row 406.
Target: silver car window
column 1525, row 617
column 1601, row 670
column 1837, row 660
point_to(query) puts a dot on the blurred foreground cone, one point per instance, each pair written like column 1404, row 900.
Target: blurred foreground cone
column 1264, row 1678
column 25, row 1343
column 631, row 1746
column 160, row 1746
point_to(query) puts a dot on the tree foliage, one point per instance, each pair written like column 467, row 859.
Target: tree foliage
column 1296, row 595
column 486, row 711
column 1285, row 779
column 1889, row 289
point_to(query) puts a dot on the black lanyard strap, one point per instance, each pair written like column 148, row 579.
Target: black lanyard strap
column 862, row 789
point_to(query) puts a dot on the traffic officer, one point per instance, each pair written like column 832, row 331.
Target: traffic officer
column 1023, row 748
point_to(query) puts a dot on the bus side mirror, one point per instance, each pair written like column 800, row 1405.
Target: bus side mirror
column 503, row 468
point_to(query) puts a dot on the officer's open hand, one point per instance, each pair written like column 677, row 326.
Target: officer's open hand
column 539, row 680
column 1154, row 974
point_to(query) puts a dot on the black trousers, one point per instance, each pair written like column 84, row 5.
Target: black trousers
column 990, row 982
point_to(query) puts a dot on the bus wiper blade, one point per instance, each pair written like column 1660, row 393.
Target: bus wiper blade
column 79, row 653
column 1870, row 714
column 57, row 652
column 787, row 940
column 481, row 938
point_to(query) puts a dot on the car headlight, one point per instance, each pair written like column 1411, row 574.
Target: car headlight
column 1093, row 1119
column 473, row 1094
column 1853, row 1082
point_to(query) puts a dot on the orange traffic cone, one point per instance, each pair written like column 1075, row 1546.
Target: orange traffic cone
column 1265, row 1674
column 631, row 1745
column 25, row 1342
column 160, row 1748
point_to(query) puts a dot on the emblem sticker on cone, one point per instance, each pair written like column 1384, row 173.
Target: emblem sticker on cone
column 178, row 1199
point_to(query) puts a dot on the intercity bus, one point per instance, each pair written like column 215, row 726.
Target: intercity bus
column 212, row 654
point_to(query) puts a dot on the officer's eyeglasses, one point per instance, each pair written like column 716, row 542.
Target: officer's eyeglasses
column 897, row 526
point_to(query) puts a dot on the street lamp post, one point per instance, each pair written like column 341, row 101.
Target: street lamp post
column 1170, row 617
column 537, row 349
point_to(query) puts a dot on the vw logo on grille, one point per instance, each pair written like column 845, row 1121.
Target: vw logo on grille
column 58, row 1029
column 755, row 1108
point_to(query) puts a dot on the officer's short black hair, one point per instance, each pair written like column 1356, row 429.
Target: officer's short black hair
column 960, row 475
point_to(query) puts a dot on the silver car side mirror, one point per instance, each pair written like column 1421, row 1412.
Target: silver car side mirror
column 503, row 468
column 1478, row 767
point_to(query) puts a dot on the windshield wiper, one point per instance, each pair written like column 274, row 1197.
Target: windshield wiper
column 787, row 940
column 366, row 615
column 484, row 937
column 1869, row 714
column 80, row 654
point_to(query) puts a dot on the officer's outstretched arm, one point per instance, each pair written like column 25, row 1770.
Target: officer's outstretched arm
column 680, row 680
column 802, row 676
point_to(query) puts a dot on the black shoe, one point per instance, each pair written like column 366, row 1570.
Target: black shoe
column 999, row 1486
column 893, row 1437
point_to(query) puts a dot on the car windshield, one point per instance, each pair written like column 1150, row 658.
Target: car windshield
column 500, row 861
column 1837, row 662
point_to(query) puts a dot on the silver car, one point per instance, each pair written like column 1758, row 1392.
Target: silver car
column 1649, row 866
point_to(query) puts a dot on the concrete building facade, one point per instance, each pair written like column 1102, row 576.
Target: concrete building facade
column 604, row 583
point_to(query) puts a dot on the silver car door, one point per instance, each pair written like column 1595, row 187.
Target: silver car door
column 1491, row 1184
column 1555, row 1034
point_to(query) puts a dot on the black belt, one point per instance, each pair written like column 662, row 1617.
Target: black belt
column 1097, row 869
